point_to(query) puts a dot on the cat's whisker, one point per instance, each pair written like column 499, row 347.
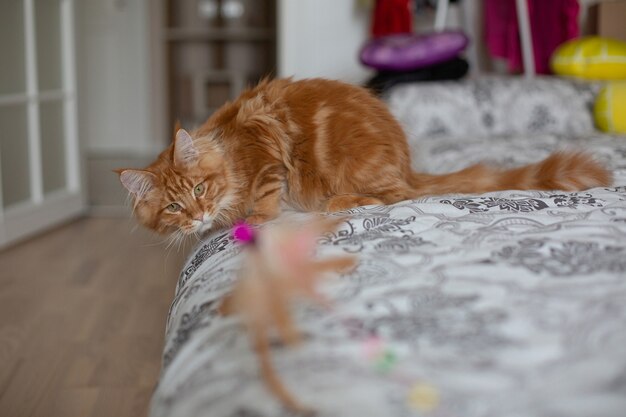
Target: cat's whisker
column 181, row 241
column 158, row 243
column 172, row 239
column 198, row 237
column 178, row 239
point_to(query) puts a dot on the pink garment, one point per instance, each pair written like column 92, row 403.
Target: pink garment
column 552, row 22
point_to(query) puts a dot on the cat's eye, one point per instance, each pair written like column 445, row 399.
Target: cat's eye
column 174, row 207
column 198, row 190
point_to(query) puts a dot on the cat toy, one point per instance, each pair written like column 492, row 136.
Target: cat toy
column 279, row 269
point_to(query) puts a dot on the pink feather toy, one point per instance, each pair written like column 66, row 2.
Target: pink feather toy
column 278, row 270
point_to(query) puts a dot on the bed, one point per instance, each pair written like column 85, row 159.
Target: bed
column 504, row 304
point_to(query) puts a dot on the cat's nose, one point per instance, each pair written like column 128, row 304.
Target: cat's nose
column 202, row 217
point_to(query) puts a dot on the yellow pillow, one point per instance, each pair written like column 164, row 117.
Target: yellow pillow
column 610, row 108
column 592, row 57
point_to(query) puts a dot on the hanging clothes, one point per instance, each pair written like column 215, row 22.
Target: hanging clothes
column 552, row 22
column 392, row 16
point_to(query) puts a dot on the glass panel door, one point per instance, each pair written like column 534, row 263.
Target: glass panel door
column 12, row 63
column 14, row 159
column 39, row 156
column 48, row 35
column 52, row 146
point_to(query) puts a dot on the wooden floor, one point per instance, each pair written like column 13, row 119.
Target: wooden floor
column 82, row 315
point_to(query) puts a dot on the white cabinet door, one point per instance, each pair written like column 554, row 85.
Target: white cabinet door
column 39, row 151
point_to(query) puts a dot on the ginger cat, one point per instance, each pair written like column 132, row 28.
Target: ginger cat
column 318, row 145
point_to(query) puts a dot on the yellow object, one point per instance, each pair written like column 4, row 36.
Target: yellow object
column 592, row 58
column 423, row 397
column 610, row 108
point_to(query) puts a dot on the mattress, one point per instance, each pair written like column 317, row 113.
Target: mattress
column 502, row 304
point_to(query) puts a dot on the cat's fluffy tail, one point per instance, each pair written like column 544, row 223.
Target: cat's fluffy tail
column 567, row 171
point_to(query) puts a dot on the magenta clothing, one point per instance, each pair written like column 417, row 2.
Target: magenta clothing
column 552, row 22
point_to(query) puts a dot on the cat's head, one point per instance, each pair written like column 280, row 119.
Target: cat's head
column 186, row 190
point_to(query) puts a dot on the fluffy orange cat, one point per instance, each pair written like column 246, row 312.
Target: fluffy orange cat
column 317, row 145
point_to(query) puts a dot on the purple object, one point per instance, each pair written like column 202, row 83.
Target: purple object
column 243, row 233
column 405, row 52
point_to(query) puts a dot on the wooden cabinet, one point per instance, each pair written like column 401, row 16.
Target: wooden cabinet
column 213, row 50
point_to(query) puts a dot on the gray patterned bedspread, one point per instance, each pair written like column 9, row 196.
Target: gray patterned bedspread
column 507, row 304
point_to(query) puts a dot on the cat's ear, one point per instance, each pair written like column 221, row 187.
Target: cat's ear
column 185, row 153
column 138, row 182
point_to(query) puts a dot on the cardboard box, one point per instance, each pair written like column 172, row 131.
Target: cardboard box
column 611, row 19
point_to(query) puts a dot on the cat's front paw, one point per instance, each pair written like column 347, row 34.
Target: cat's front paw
column 258, row 218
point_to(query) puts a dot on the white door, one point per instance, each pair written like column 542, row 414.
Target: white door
column 39, row 152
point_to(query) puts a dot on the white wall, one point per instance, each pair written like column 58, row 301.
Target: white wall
column 114, row 78
column 322, row 38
